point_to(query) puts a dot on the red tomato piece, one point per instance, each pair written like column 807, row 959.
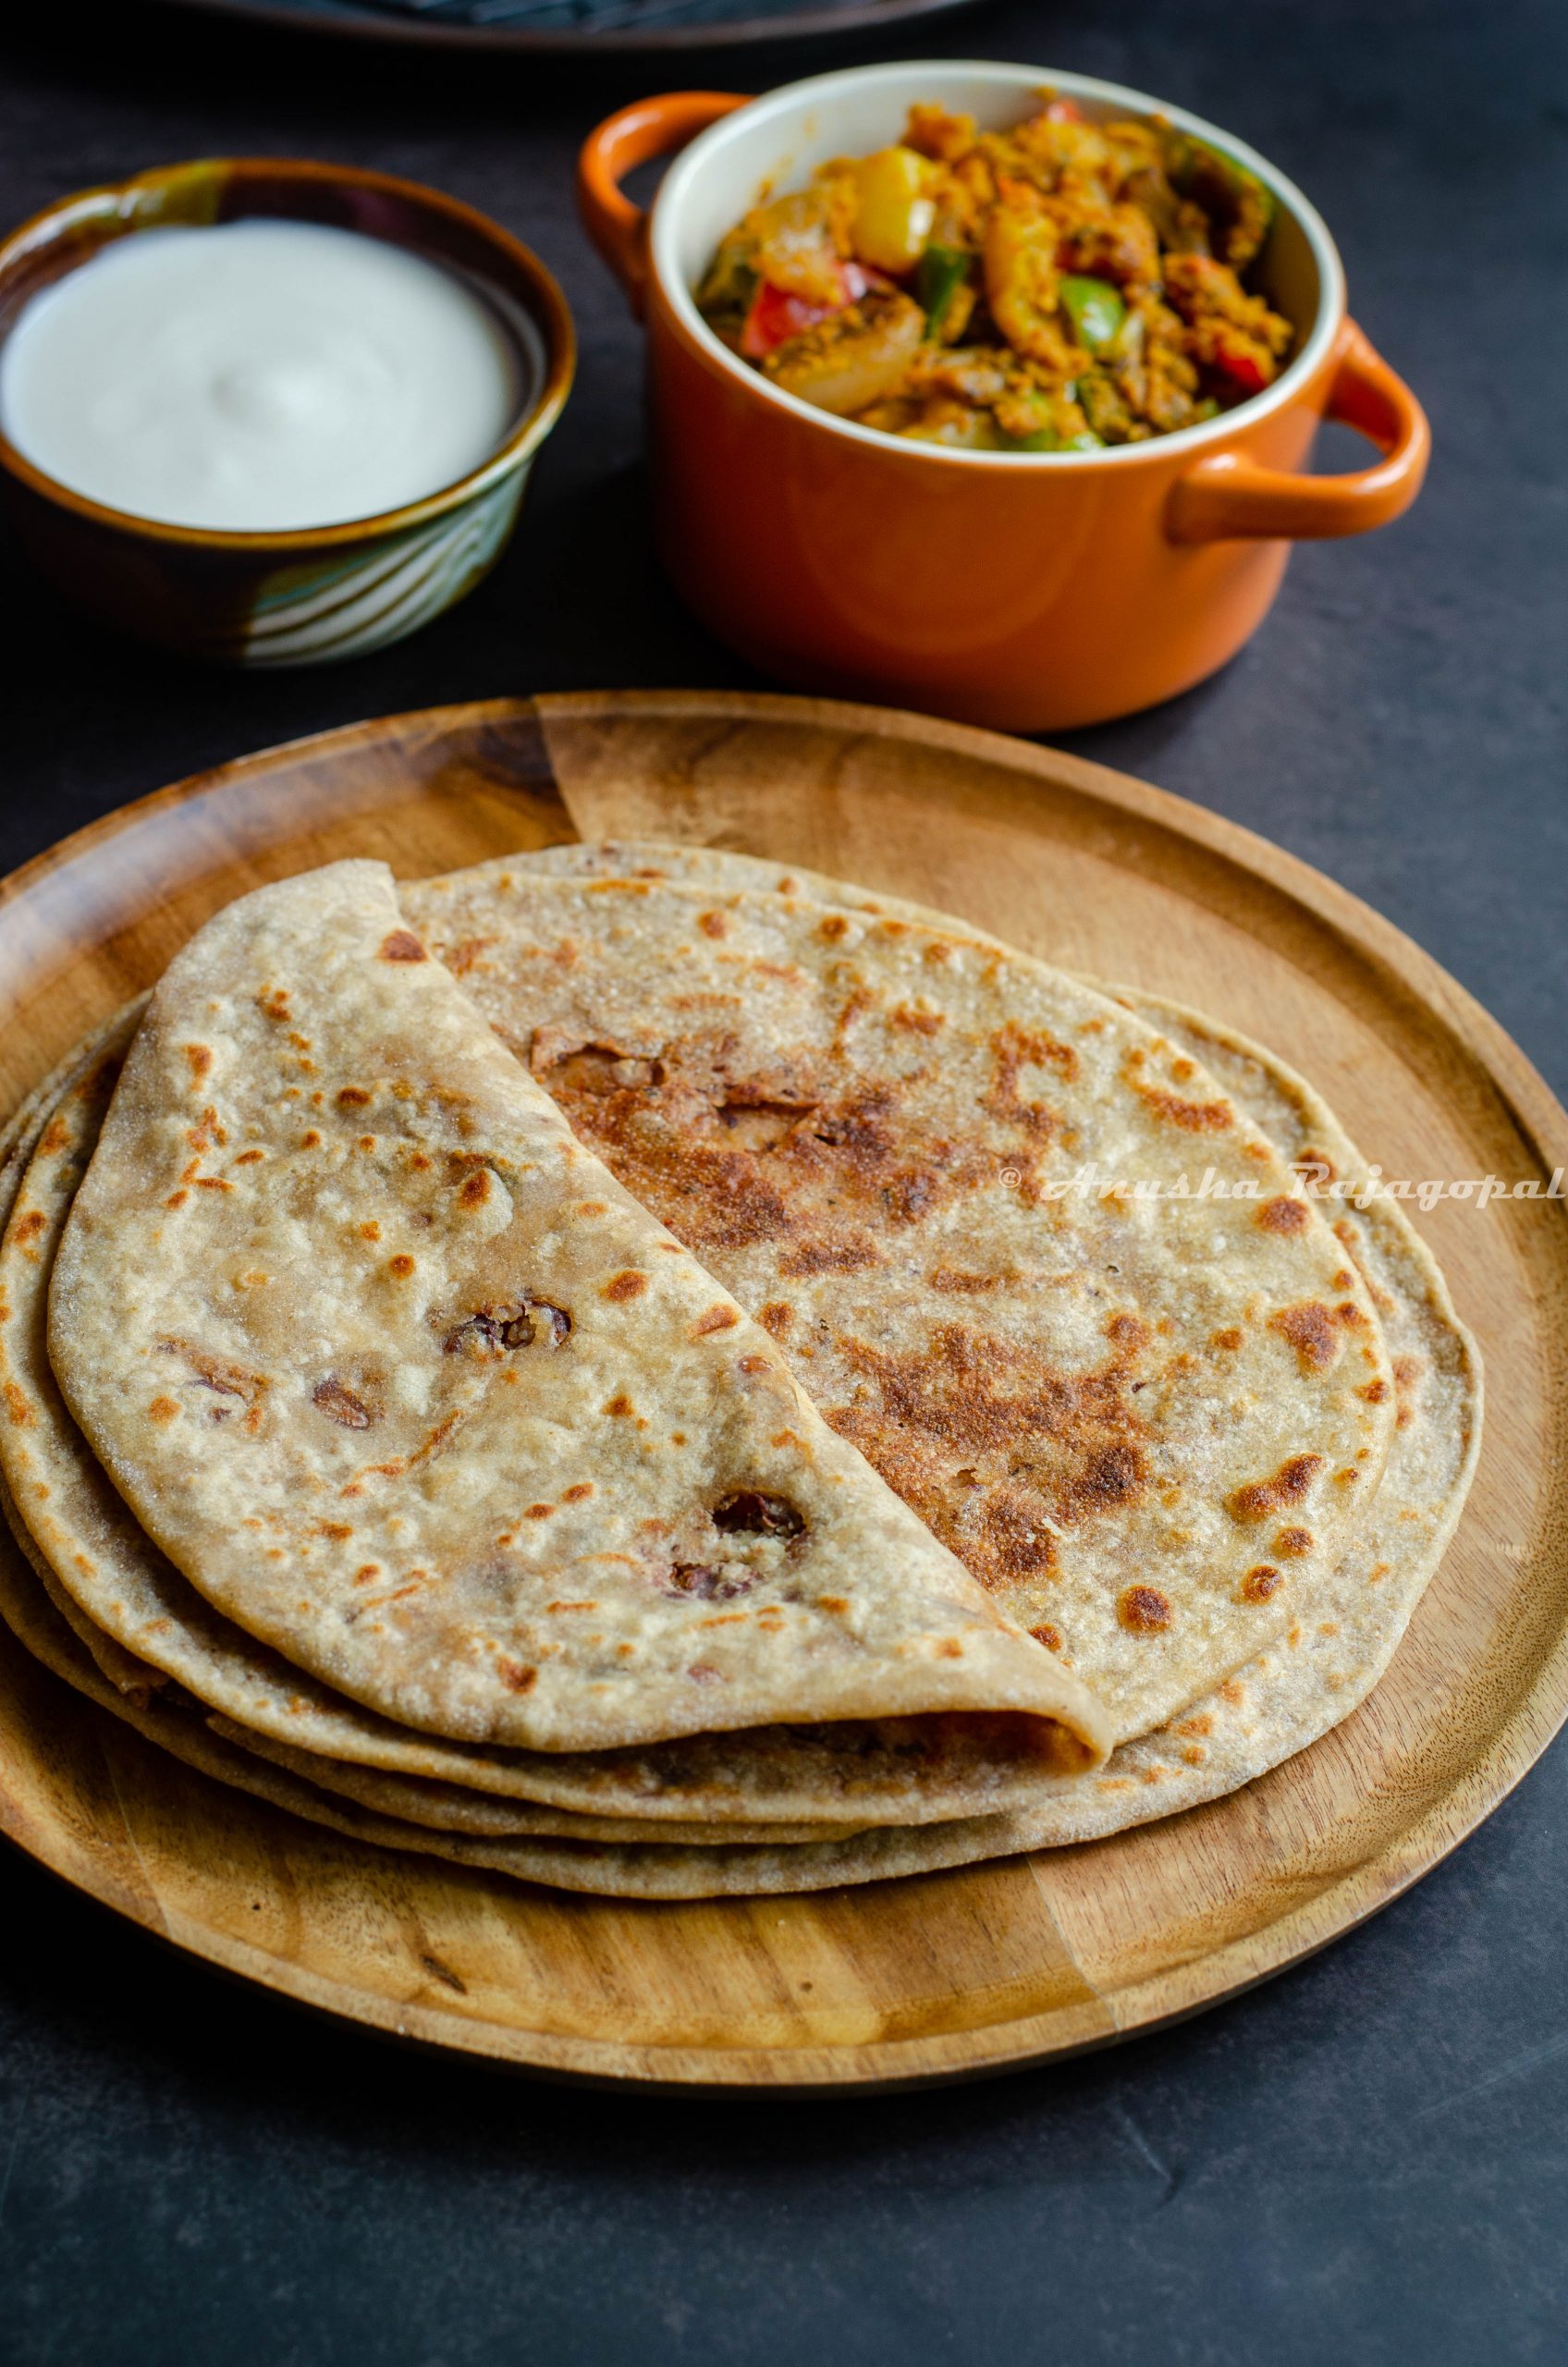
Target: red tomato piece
column 1241, row 369
column 776, row 315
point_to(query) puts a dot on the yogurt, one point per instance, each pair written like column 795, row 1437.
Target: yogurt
column 257, row 376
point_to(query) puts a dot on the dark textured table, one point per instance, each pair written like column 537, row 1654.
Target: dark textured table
column 1365, row 2161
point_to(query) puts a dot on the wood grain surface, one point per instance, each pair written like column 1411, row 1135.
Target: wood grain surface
column 960, row 1972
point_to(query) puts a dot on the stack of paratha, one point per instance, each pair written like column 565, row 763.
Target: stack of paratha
column 657, row 1376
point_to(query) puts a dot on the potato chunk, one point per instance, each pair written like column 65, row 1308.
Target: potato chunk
column 858, row 358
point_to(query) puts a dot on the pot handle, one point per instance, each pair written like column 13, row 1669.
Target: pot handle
column 1229, row 496
column 630, row 138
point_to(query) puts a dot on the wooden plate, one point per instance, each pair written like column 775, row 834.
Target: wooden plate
column 957, row 1972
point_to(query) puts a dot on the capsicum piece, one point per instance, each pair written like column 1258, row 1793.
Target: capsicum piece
column 1238, row 202
column 943, row 271
column 1095, row 308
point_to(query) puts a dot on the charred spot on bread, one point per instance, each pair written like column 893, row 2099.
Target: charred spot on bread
column 751, row 1513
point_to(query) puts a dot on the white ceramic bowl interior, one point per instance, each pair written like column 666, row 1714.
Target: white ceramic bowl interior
column 775, row 144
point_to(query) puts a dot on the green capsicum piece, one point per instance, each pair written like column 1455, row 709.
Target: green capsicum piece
column 943, row 271
column 1235, row 198
column 1095, row 308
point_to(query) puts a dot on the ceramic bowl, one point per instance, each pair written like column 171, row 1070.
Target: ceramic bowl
column 1029, row 591
column 318, row 593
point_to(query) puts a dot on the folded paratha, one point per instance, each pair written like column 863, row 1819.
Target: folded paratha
column 145, row 1624
column 1147, row 1420
column 406, row 1386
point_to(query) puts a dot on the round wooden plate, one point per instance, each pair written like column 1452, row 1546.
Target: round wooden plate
column 958, row 1973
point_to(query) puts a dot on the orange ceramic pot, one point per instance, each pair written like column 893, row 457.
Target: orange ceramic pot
column 1027, row 591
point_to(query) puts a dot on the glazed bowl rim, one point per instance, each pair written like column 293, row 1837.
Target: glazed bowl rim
column 753, row 119
column 549, row 311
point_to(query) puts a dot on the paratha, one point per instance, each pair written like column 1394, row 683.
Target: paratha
column 602, row 1867
column 1113, row 1406
column 17, row 1141
column 340, row 1297
column 1291, row 1694
column 1322, row 1670
column 458, row 1808
column 145, row 1624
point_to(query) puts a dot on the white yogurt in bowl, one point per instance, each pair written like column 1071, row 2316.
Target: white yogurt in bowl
column 261, row 376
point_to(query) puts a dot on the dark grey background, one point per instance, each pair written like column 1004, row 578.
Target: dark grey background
column 1366, row 2161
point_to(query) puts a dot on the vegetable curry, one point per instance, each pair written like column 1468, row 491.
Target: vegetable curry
column 1052, row 288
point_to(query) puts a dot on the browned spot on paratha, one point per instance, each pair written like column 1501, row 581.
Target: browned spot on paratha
column 992, row 1447
column 1013, row 1050
column 1289, row 1485
column 1193, row 1117
column 1310, row 1330
column 829, row 1258
column 916, row 1022
column 402, row 945
column 1014, row 1543
column 1144, row 1611
column 805, row 1154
